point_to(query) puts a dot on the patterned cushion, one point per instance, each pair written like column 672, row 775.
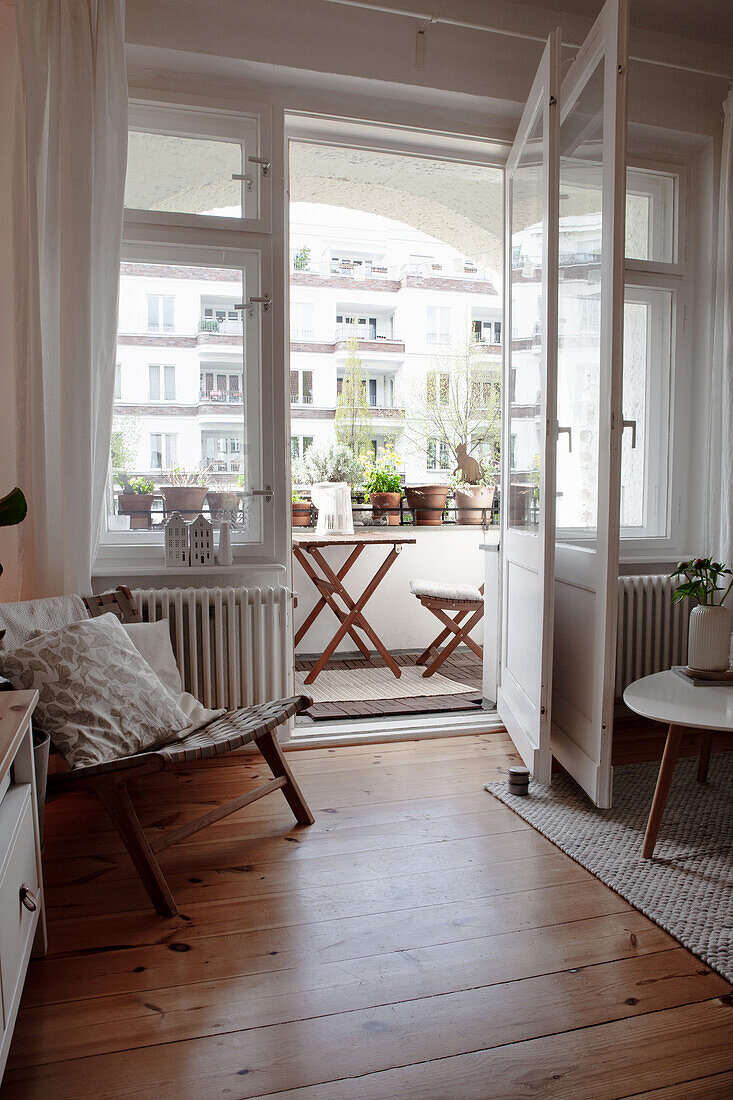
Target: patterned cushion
column 99, row 700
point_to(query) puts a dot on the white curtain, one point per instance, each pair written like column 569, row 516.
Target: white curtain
column 720, row 441
column 70, row 161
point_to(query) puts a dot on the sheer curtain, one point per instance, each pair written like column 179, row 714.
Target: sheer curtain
column 720, row 442
column 70, row 160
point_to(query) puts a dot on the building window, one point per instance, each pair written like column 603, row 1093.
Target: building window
column 221, row 385
column 438, row 455
column 299, row 445
column 438, row 326
column 301, row 387
column 153, row 382
column 301, row 321
column 372, row 384
column 164, row 376
column 437, row 385
column 118, row 382
column 222, row 452
column 160, row 313
column 222, row 318
column 163, row 450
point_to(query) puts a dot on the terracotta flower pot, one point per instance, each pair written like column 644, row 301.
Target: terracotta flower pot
column 186, row 499
column 470, row 500
column 138, row 507
column 427, row 503
column 386, row 504
column 301, row 513
column 223, row 505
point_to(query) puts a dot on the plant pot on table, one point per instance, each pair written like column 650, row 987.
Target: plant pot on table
column 301, row 513
column 386, row 504
column 138, row 506
column 708, row 644
column 186, row 499
column 427, row 503
column 473, row 502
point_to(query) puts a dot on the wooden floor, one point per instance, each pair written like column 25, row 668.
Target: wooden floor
column 462, row 665
column 420, row 941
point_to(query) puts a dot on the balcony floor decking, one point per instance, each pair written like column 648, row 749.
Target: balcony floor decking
column 463, row 666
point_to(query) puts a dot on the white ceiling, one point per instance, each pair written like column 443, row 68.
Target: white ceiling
column 701, row 20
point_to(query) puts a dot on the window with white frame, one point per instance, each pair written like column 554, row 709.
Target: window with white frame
column 437, row 388
column 161, row 382
column 438, row 455
column 163, row 450
column 299, row 445
column 301, row 321
column 438, row 325
column 160, row 313
column 178, row 280
column 301, row 387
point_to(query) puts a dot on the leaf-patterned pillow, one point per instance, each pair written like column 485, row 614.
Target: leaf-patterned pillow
column 99, row 699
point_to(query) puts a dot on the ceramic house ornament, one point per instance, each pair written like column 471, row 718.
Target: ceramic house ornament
column 201, row 542
column 176, row 540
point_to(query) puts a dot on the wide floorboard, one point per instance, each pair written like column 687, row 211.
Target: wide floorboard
column 418, row 941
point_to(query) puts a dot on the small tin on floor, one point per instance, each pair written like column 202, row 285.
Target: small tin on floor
column 518, row 779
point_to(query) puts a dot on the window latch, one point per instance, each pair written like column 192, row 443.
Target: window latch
column 263, row 300
column 263, row 162
column 246, row 180
column 630, row 424
column 268, row 493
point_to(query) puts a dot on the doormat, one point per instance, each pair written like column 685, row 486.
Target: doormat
column 347, row 685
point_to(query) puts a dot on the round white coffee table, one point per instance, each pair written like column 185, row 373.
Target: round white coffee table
column 665, row 697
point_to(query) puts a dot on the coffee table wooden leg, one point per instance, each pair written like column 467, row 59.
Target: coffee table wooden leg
column 664, row 781
column 706, row 744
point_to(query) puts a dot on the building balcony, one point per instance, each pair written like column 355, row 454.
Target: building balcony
column 223, row 328
column 231, row 397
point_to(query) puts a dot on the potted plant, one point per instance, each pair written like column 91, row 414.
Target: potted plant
column 708, row 644
column 301, row 510
column 474, row 499
column 427, row 503
column 383, row 488
column 185, row 492
column 136, row 501
column 329, row 462
column 223, row 501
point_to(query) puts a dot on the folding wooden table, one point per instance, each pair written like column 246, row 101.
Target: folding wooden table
column 308, row 551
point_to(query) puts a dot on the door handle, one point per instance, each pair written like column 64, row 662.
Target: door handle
column 630, row 424
column 570, row 437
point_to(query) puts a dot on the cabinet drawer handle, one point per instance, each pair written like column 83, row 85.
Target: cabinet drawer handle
column 28, row 898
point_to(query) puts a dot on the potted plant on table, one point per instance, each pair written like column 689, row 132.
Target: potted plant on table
column 708, row 645
column 185, row 491
column 301, row 510
column 136, row 501
column 383, row 488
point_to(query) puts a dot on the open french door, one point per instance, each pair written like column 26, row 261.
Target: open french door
column 529, row 439
column 592, row 144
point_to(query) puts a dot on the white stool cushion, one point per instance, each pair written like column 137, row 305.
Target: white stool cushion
column 437, row 591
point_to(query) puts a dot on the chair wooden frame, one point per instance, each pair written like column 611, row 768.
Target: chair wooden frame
column 109, row 782
column 467, row 614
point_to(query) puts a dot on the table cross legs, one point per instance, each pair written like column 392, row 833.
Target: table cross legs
column 330, row 585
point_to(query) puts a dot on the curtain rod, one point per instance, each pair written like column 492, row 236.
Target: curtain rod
column 429, row 19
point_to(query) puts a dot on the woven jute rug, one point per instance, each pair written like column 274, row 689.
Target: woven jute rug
column 688, row 887
column 343, row 685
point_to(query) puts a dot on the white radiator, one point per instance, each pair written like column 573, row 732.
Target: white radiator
column 231, row 644
column 652, row 630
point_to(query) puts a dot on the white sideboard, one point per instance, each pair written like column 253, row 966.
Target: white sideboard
column 22, row 917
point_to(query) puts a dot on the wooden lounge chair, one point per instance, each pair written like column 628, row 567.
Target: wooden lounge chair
column 239, row 727
column 467, row 607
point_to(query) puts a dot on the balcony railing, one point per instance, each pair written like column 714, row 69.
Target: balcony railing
column 221, row 396
column 363, row 332
column 224, row 328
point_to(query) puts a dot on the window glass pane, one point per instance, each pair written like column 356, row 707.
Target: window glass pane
column 529, row 231
column 650, row 216
column 293, row 387
column 170, row 382
column 183, row 175
column 579, row 343
column 307, row 377
column 118, row 382
column 211, row 433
